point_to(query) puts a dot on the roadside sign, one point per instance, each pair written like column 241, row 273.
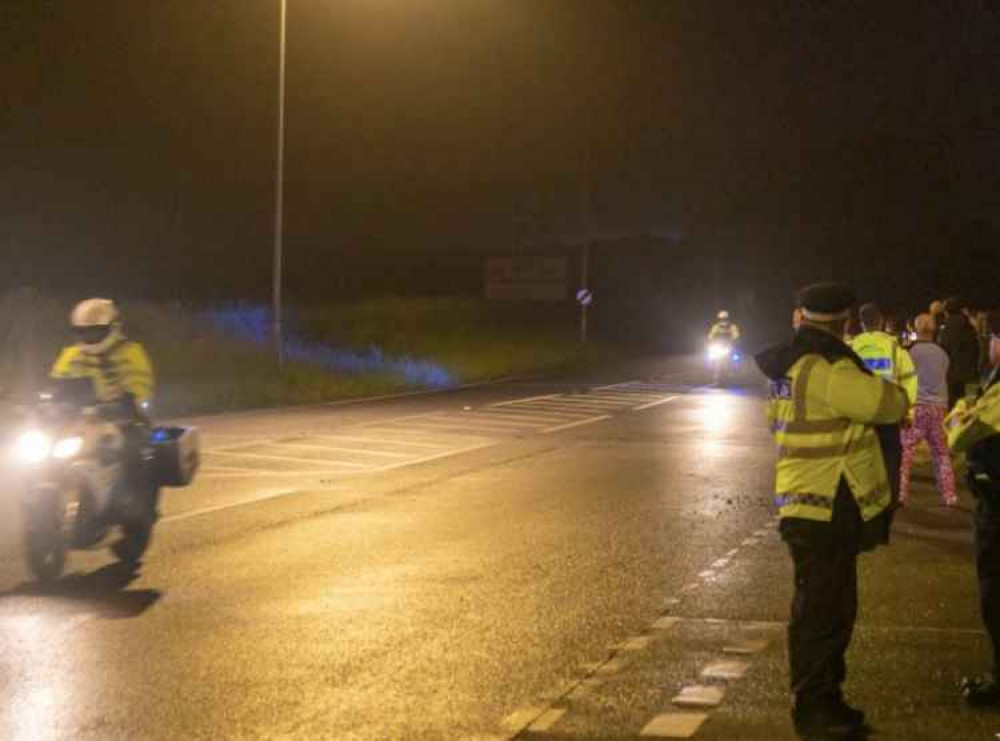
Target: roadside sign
column 584, row 297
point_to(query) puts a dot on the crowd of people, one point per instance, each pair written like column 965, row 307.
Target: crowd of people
column 847, row 410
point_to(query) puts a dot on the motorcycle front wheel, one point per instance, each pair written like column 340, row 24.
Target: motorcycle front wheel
column 45, row 537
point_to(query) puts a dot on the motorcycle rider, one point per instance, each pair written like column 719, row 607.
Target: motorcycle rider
column 122, row 374
column 723, row 330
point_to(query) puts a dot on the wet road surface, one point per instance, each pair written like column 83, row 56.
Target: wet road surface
column 595, row 559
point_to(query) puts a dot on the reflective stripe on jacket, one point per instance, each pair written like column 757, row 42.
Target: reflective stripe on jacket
column 125, row 368
column 884, row 356
column 724, row 330
column 821, row 416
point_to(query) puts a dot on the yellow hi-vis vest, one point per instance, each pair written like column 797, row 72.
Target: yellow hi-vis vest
column 125, row 368
column 885, row 357
column 821, row 416
column 970, row 423
column 724, row 331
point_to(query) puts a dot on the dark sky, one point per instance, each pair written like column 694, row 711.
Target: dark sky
column 138, row 135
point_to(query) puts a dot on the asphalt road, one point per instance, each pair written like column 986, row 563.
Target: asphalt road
column 535, row 560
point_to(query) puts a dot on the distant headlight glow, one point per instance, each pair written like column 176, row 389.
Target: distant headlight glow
column 33, row 447
column 717, row 351
column 68, row 447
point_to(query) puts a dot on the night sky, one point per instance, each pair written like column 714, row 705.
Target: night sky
column 854, row 139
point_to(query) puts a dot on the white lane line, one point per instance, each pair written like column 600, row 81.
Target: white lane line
column 456, row 423
column 587, row 400
column 732, row 552
column 639, row 643
column 547, row 720
column 749, row 542
column 521, row 719
column 585, row 688
column 746, row 648
column 665, row 623
column 631, row 395
column 436, row 456
column 721, row 563
column 385, row 441
column 652, row 404
column 581, row 423
column 700, row 696
column 674, row 725
column 339, row 449
column 288, row 459
column 524, row 401
column 570, row 407
column 515, row 413
column 727, row 670
column 707, row 574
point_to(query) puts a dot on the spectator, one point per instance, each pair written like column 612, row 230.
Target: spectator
column 937, row 311
column 931, row 363
column 959, row 340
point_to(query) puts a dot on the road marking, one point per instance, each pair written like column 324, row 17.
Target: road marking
column 339, row 449
column 674, row 725
column 512, row 413
column 585, row 688
column 547, row 720
column 525, row 401
column 434, row 457
column 746, row 648
column 466, row 422
column 384, row 441
column 725, row 670
column 639, row 643
column 700, row 696
column 689, row 587
column 652, row 404
column 670, row 602
column 749, row 542
column 573, row 407
column 288, row 459
column 732, row 552
column 521, row 719
column 665, row 623
column 708, row 574
column 721, row 563
column 609, row 667
column 581, row 423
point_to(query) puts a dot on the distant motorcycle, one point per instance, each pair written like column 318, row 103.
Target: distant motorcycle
column 724, row 361
column 76, row 486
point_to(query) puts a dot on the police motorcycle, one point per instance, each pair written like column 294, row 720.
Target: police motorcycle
column 76, row 487
column 724, row 361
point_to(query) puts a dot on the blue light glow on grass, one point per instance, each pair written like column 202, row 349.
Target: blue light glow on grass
column 253, row 324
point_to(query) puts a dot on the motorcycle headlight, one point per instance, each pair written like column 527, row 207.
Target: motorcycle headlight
column 68, row 447
column 33, row 447
column 716, row 351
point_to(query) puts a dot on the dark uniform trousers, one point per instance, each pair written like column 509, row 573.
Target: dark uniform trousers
column 987, row 529
column 825, row 604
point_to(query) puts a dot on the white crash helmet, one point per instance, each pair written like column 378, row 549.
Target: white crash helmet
column 96, row 324
column 723, row 315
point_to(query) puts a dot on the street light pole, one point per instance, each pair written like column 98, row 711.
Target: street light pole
column 279, row 192
column 587, row 235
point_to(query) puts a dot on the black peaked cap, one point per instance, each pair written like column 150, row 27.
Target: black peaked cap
column 826, row 298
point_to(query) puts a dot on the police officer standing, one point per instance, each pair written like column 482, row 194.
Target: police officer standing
column 833, row 492
column 974, row 429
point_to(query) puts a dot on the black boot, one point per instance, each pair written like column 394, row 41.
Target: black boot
column 829, row 720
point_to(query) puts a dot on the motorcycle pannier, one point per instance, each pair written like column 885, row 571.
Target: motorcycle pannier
column 177, row 455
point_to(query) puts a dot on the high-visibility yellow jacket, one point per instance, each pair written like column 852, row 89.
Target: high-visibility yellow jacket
column 969, row 424
column 124, row 368
column 885, row 357
column 821, row 416
column 724, row 330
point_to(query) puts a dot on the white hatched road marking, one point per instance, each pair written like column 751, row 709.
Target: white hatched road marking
column 674, row 725
column 287, row 458
column 657, row 403
column 525, row 401
column 547, row 720
column 528, row 413
column 384, row 441
column 338, row 449
column 571, row 425
column 725, row 670
column 700, row 696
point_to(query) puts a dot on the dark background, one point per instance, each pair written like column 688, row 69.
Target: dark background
column 736, row 149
